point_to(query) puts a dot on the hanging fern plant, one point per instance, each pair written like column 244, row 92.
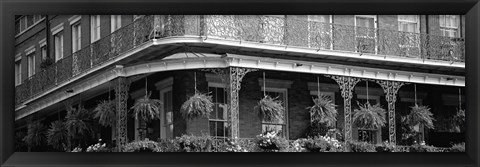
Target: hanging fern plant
column 459, row 120
column 57, row 135
column 369, row 117
column 323, row 111
column 198, row 105
column 147, row 109
column 420, row 115
column 270, row 109
column 78, row 121
column 105, row 113
column 35, row 134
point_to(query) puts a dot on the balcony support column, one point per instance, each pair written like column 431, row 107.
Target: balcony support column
column 236, row 75
column 121, row 96
column 391, row 88
column 346, row 85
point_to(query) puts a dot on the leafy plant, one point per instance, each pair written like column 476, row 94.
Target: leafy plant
column 99, row 147
column 459, row 147
column 369, row 117
column 459, row 120
column 142, row 146
column 46, row 63
column 420, row 115
column 57, row 135
column 271, row 142
column 354, row 146
column 78, row 121
column 147, row 109
column 270, row 109
column 323, row 111
column 35, row 135
column 198, row 105
column 105, row 113
column 190, row 143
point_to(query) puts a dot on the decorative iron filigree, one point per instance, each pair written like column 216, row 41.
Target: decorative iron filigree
column 391, row 88
column 122, row 86
column 236, row 76
column 346, row 85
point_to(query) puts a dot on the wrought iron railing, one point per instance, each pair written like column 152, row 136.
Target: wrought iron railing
column 262, row 29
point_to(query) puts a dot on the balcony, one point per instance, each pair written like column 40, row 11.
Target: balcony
column 261, row 29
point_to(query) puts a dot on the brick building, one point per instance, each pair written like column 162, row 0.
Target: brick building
column 382, row 58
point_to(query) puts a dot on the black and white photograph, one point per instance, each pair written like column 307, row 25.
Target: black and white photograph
column 240, row 83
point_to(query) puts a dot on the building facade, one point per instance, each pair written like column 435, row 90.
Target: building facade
column 393, row 60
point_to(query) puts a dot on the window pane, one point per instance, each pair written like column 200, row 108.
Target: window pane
column 442, row 20
column 29, row 20
column 212, row 128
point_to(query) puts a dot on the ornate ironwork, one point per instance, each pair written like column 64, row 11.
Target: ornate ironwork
column 346, row 85
column 236, row 76
column 288, row 30
column 121, row 87
column 391, row 88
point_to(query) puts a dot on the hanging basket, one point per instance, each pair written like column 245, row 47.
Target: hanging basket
column 105, row 113
column 147, row 109
column 323, row 111
column 420, row 115
column 369, row 116
column 198, row 105
column 270, row 109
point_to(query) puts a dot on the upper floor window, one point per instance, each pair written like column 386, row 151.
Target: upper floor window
column 23, row 23
column 320, row 31
column 43, row 49
column 408, row 23
column 116, row 22
column 95, row 28
column 31, row 61
column 58, row 46
column 449, row 25
column 76, row 37
column 18, row 72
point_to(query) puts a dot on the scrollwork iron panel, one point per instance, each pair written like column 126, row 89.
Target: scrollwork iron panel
column 121, row 96
column 236, row 76
column 391, row 88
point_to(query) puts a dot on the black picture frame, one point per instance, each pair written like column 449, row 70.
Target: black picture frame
column 471, row 8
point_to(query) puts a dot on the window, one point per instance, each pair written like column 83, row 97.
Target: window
column 365, row 33
column 449, row 25
column 58, row 41
column 116, row 22
column 166, row 117
column 320, row 31
column 166, row 122
column 410, row 41
column 95, row 28
column 76, row 37
column 25, row 22
column 408, row 23
column 31, row 63
column 43, row 50
column 18, row 72
column 279, row 126
column 218, row 118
